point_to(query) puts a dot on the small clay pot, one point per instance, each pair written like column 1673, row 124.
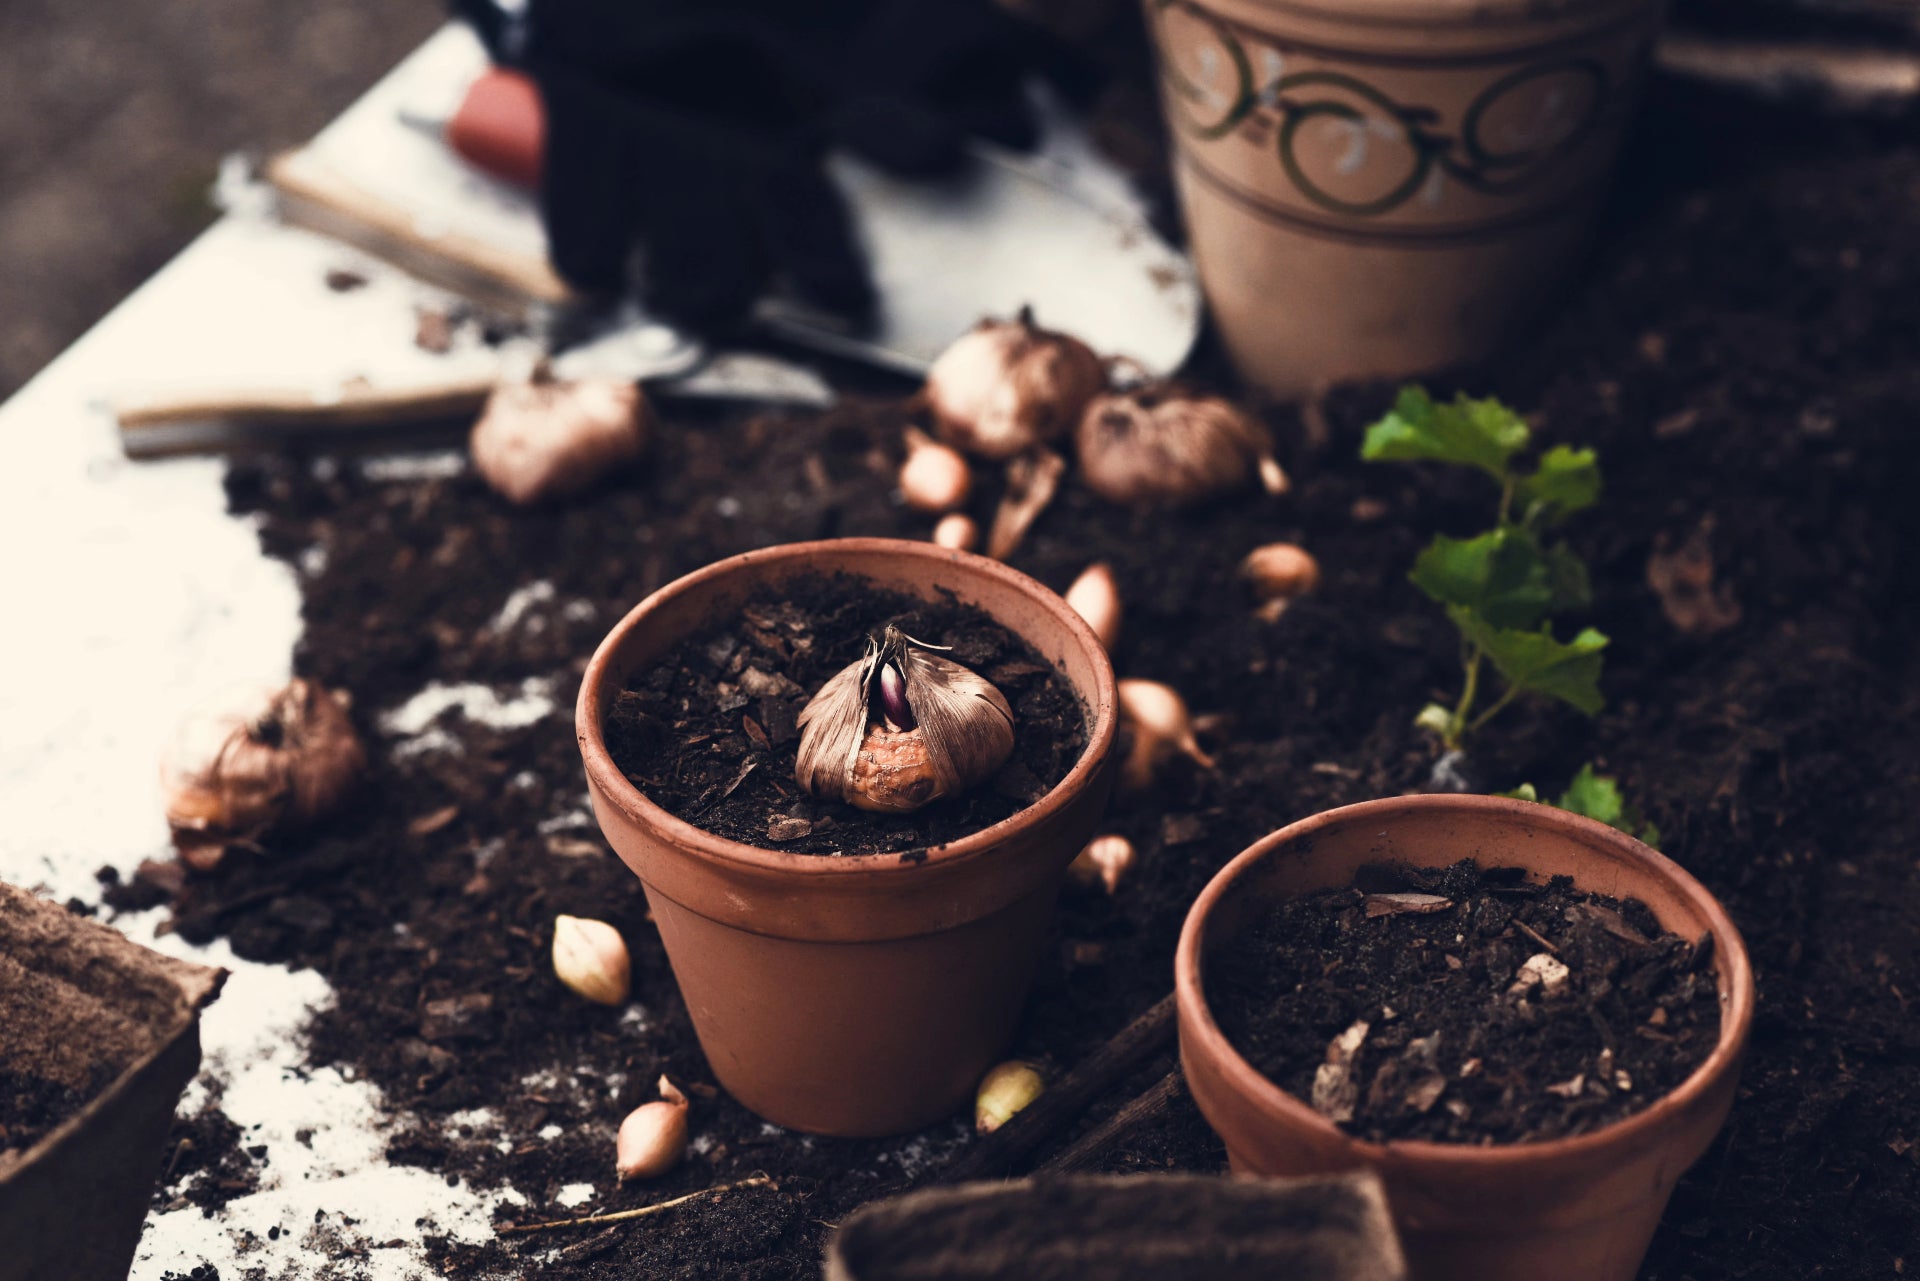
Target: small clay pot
column 1134, row 1227
column 858, row 995
column 75, row 995
column 1574, row 1209
column 1383, row 187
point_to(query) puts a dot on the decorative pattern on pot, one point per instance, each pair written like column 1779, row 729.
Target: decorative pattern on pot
column 1447, row 145
column 1305, row 132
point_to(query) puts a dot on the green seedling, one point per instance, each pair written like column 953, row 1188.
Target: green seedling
column 1501, row 588
column 1597, row 796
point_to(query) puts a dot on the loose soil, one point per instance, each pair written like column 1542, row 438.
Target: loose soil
column 1459, row 1041
column 710, row 733
column 1741, row 352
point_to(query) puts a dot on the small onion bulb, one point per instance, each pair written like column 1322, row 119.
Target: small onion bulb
column 1279, row 573
column 544, row 439
column 653, row 1138
column 957, row 531
column 1009, row 385
column 1162, row 728
column 591, row 958
column 1004, row 1090
column 1095, row 596
column 935, row 477
column 1105, row 861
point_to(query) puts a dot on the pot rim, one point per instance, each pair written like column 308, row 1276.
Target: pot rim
column 1101, row 712
column 1196, row 1016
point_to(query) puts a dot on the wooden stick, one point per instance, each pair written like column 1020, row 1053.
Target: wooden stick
column 622, row 1216
column 350, row 405
column 1087, row 1152
column 996, row 1155
column 314, row 196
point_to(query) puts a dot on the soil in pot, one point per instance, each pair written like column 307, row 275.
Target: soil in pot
column 47, row 1076
column 32, row 1104
column 1465, row 1004
column 711, row 733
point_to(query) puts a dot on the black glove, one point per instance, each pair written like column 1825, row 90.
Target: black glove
column 695, row 129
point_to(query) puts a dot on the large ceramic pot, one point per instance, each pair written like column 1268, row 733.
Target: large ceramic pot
column 1575, row 1209
column 1382, row 187
column 80, row 1003
column 853, row 995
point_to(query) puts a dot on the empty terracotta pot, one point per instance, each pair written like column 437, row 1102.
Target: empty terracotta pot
column 1575, row 1209
column 853, row 995
column 1133, row 1227
column 1384, row 187
column 78, row 1003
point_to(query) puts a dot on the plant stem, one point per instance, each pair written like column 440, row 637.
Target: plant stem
column 1489, row 714
column 1457, row 727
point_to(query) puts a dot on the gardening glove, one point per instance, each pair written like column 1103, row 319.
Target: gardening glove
column 695, row 131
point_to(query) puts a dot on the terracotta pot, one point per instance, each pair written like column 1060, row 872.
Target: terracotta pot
column 1134, row 1227
column 1575, row 1209
column 1383, row 187
column 74, row 995
column 853, row 995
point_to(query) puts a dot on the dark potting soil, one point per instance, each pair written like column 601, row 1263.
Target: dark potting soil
column 1431, row 980
column 710, row 733
column 207, row 1162
column 32, row 1105
column 1741, row 353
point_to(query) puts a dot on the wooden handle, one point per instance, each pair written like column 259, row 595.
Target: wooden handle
column 356, row 405
column 313, row 195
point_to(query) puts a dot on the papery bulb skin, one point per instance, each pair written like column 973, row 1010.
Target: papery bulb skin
column 1009, row 386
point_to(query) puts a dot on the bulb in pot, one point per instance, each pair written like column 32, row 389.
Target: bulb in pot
column 544, row 439
column 1161, row 444
column 255, row 760
column 1010, row 385
column 902, row 728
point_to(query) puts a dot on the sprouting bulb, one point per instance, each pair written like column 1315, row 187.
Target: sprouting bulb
column 902, row 727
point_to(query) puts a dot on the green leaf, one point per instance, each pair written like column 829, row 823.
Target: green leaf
column 1567, row 481
column 1524, row 792
column 1567, row 582
column 1474, row 433
column 1501, row 575
column 1536, row 663
column 1595, row 796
